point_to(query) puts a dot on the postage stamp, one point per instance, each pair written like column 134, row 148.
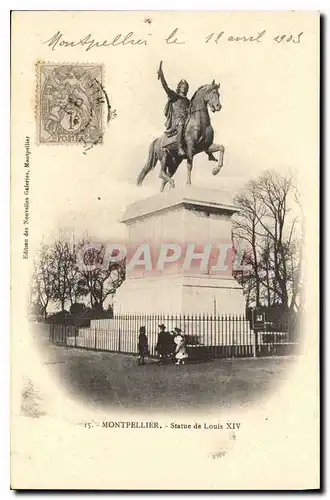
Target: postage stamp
column 70, row 103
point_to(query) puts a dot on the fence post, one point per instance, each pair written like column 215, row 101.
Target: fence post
column 119, row 346
column 255, row 344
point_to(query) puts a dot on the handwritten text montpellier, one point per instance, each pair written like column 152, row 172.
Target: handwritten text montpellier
column 88, row 42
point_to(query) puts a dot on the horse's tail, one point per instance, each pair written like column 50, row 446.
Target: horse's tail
column 150, row 164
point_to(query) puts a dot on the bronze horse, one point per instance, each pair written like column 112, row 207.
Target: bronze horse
column 198, row 137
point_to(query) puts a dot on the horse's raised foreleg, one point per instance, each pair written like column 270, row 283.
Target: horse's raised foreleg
column 212, row 157
column 213, row 149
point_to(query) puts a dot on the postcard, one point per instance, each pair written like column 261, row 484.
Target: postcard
column 164, row 250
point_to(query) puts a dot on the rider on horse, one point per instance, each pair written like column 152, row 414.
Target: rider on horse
column 176, row 110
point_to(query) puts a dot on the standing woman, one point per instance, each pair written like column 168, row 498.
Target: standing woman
column 162, row 344
column 142, row 345
column 180, row 350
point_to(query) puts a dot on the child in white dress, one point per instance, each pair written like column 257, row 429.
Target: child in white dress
column 180, row 350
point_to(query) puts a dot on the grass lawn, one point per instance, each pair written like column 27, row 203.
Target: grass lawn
column 108, row 379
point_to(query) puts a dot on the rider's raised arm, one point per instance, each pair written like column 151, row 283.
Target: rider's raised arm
column 168, row 91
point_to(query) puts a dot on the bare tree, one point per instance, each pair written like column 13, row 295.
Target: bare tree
column 272, row 192
column 76, row 286
column 98, row 282
column 296, row 261
column 60, row 277
column 42, row 283
column 266, row 266
column 267, row 224
column 64, row 275
column 102, row 283
column 246, row 228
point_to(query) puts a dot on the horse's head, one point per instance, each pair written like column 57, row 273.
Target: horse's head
column 207, row 95
column 212, row 96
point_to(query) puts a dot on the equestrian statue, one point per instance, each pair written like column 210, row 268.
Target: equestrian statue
column 188, row 131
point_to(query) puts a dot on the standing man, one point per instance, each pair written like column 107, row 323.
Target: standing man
column 143, row 348
column 162, row 343
column 176, row 110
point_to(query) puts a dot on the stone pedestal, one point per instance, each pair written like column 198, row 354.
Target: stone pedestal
column 187, row 216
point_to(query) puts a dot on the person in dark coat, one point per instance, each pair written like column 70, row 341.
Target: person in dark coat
column 142, row 345
column 162, row 343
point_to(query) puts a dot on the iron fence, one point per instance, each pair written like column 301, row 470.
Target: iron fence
column 206, row 336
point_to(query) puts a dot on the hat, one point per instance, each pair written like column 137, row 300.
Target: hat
column 161, row 326
column 142, row 329
column 177, row 329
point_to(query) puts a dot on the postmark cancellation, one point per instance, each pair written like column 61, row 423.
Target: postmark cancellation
column 70, row 99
